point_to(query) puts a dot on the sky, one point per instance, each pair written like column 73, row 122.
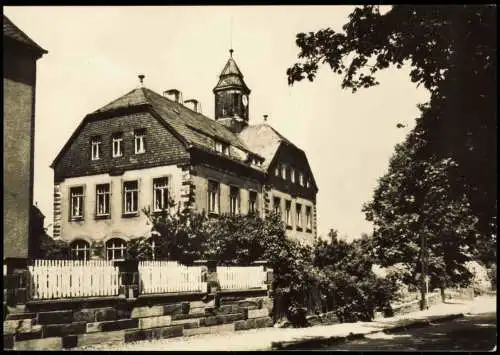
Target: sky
column 96, row 53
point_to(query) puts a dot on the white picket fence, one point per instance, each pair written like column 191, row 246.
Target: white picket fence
column 73, row 278
column 241, row 277
column 161, row 276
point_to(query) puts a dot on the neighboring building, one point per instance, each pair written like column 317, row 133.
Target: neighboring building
column 20, row 54
column 144, row 148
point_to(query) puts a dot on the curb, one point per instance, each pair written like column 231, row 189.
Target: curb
column 320, row 342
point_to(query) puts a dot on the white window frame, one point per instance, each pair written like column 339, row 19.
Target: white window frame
column 161, row 186
column 308, row 218
column 288, row 210
column 277, row 171
column 292, row 175
column 80, row 246
column 253, row 204
column 96, row 143
column 277, row 206
column 234, row 200
column 283, row 171
column 113, row 246
column 105, row 195
column 213, row 196
column 139, row 141
column 77, row 199
column 134, row 196
column 298, row 215
column 301, row 179
column 117, row 142
column 308, row 184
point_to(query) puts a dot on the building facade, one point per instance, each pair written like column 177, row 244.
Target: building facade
column 20, row 54
column 145, row 150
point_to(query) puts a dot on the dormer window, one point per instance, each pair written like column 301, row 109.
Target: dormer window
column 301, row 179
column 96, row 148
column 139, row 139
column 277, row 171
column 221, row 147
column 292, row 174
column 308, row 184
column 283, row 172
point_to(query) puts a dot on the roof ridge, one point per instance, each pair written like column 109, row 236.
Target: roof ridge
column 106, row 106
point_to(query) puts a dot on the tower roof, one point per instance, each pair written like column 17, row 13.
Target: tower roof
column 231, row 77
column 13, row 32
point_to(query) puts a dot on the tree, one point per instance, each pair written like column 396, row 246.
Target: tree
column 452, row 52
column 412, row 203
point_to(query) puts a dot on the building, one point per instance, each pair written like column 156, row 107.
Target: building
column 20, row 54
column 143, row 147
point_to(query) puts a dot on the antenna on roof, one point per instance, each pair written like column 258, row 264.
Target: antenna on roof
column 141, row 79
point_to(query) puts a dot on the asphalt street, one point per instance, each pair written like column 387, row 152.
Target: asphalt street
column 474, row 332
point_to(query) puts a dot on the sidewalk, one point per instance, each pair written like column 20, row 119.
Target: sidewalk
column 263, row 339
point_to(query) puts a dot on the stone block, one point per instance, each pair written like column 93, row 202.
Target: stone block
column 263, row 322
column 34, row 333
column 141, row 312
column 258, row 313
column 108, row 326
column 154, row 322
column 8, row 341
column 229, row 308
column 136, row 335
column 187, row 323
column 105, row 314
column 10, row 326
column 39, row 344
column 209, row 330
column 84, row 315
column 69, row 341
column 250, row 304
column 59, row 330
column 229, row 318
column 245, row 324
column 210, row 311
column 201, row 304
column 188, row 316
column 55, row 317
column 172, row 331
column 16, row 316
column 123, row 313
column 176, row 308
column 208, row 321
column 100, row 338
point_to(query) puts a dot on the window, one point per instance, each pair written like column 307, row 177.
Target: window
column 298, row 214
column 288, row 219
column 308, row 218
column 301, row 179
column 117, row 145
column 102, row 200
column 283, row 172
column 252, row 201
column 139, row 137
column 96, row 148
column 213, row 197
column 115, row 249
column 277, row 171
column 130, row 197
column 77, row 199
column 292, row 174
column 80, row 250
column 160, row 193
column 277, row 205
column 222, row 148
column 308, row 183
column 234, row 200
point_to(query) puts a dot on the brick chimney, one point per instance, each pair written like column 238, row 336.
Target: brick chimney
column 194, row 105
column 174, row 95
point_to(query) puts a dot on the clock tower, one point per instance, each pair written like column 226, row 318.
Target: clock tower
column 231, row 97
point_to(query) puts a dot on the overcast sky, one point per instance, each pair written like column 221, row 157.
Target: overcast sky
column 96, row 53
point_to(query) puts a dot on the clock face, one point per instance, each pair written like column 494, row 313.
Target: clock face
column 244, row 100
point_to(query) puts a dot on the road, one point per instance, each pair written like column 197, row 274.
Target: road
column 474, row 332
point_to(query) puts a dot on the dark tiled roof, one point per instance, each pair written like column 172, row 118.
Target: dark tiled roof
column 12, row 31
column 231, row 77
column 194, row 127
column 263, row 140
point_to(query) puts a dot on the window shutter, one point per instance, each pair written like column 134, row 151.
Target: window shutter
column 84, row 200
